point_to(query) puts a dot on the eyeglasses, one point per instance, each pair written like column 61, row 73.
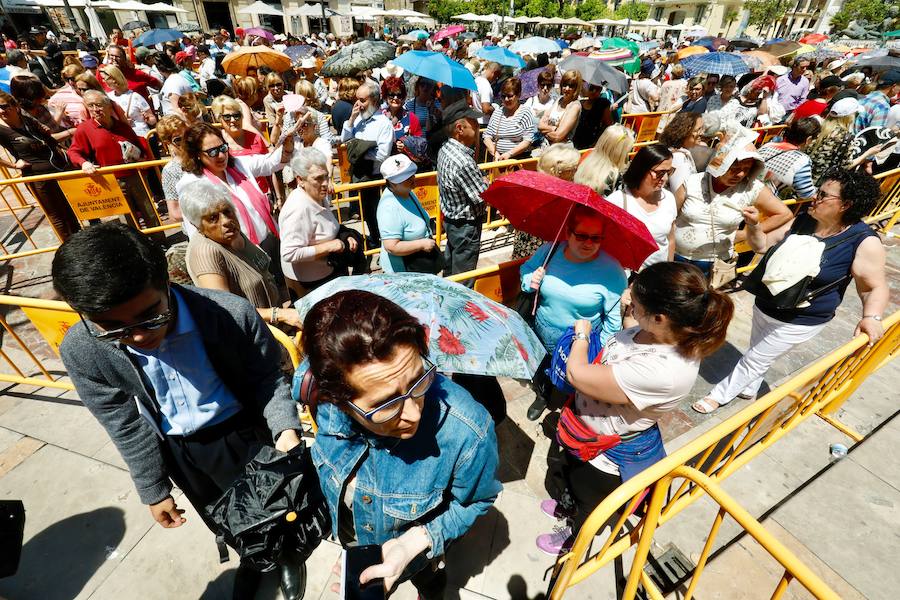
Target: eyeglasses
column 95, row 105
column 82, row 89
column 395, row 95
column 231, row 116
column 305, row 125
column 215, row 152
column 822, row 197
column 177, row 140
column 569, row 85
column 5, row 106
column 276, row 85
column 594, row 238
column 151, row 324
column 660, row 173
column 393, row 407
column 509, row 96
column 546, row 86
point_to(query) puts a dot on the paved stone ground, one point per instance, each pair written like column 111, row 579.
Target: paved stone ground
column 88, row 536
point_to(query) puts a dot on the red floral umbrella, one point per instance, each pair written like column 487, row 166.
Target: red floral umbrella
column 814, row 38
column 449, row 31
column 540, row 204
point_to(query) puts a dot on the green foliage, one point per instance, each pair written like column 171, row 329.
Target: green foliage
column 442, row 10
column 541, row 8
column 592, row 9
column 874, row 11
column 765, row 13
column 633, row 11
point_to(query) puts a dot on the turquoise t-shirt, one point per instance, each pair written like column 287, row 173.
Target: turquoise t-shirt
column 399, row 219
column 572, row 291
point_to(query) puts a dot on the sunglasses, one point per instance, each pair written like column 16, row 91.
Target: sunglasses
column 5, row 106
column 594, row 238
column 215, row 152
column 177, row 140
column 395, row 95
column 82, row 89
column 276, row 85
column 151, row 324
column 509, row 96
column 660, row 173
column 393, row 407
column 546, row 86
column 232, row 117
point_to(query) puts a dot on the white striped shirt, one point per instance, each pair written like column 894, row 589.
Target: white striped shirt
column 508, row 132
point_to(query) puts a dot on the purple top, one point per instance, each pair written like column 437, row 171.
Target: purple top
column 791, row 92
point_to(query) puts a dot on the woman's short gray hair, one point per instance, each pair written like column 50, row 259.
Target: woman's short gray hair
column 304, row 158
column 199, row 198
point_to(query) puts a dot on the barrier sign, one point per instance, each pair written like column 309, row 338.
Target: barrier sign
column 426, row 191
column 51, row 324
column 94, row 197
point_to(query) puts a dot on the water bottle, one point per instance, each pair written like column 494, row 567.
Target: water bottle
column 838, row 451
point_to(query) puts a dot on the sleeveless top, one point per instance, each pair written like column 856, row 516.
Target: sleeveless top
column 835, row 264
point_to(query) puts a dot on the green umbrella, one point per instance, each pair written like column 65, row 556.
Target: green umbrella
column 895, row 33
column 631, row 65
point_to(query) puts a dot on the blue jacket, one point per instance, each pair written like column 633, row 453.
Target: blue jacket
column 443, row 478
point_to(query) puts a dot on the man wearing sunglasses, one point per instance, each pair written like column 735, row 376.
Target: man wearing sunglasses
column 185, row 381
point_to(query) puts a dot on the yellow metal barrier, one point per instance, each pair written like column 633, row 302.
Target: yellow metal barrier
column 820, row 389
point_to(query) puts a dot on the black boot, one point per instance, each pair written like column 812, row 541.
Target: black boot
column 246, row 582
column 537, row 408
column 293, row 580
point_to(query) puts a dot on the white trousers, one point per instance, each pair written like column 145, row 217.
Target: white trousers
column 769, row 339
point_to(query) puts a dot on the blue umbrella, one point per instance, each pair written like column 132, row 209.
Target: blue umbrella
column 437, row 67
column 720, row 63
column 467, row 333
column 157, row 36
column 501, row 56
column 535, row 45
column 418, row 34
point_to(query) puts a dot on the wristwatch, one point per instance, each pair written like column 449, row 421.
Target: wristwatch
column 580, row 337
column 875, row 317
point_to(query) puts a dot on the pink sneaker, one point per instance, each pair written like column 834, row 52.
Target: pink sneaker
column 557, row 542
column 552, row 509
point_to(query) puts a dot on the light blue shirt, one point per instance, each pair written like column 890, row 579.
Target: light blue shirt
column 575, row 290
column 376, row 128
column 189, row 392
column 399, row 220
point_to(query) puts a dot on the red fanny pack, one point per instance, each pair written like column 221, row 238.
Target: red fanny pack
column 578, row 438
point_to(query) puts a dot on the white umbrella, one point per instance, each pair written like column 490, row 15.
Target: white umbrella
column 311, row 10
column 577, row 22
column 603, row 22
column 465, row 17
column 130, row 5
column 166, row 8
column 261, row 8
column 583, row 43
column 94, row 24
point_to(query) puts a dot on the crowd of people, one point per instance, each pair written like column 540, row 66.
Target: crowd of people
column 406, row 457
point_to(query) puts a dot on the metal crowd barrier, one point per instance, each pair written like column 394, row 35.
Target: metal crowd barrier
column 704, row 463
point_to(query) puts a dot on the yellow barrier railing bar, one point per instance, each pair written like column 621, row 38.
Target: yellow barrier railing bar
column 824, row 385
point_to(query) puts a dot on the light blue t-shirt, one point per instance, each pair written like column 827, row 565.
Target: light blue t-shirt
column 571, row 291
column 399, row 219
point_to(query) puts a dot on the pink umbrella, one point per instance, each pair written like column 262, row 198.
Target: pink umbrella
column 260, row 32
column 448, row 31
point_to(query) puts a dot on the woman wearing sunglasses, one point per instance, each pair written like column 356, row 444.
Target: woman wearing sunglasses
column 559, row 121
column 206, row 156
column 406, row 458
column 580, row 281
column 406, row 123
column 241, row 142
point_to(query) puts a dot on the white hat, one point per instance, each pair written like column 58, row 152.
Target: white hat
column 398, row 168
column 845, row 107
column 778, row 70
column 308, row 63
column 837, row 64
column 391, row 70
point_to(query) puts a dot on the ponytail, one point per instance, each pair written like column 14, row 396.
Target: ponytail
column 698, row 315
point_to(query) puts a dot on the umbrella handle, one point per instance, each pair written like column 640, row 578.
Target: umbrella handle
column 550, row 255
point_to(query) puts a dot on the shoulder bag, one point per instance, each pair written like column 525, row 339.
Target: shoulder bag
column 425, row 261
column 722, row 271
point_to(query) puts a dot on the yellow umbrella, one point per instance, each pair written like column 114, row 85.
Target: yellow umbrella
column 690, row 51
column 839, row 48
column 237, row 63
column 805, row 48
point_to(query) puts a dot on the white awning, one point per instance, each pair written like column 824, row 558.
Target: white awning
column 166, row 8
column 261, row 8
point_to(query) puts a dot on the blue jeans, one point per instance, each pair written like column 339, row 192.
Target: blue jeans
column 703, row 265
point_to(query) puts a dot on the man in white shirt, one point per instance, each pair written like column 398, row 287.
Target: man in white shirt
column 219, row 45
column 207, row 64
column 484, row 97
column 368, row 124
column 173, row 88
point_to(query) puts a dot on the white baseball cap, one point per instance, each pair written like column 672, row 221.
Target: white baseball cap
column 845, row 107
column 398, row 168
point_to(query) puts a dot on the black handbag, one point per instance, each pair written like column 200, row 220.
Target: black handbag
column 425, row 261
column 799, row 293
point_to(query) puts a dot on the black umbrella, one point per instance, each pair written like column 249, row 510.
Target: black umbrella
column 744, row 43
column 188, row 27
column 276, row 506
column 880, row 63
column 131, row 25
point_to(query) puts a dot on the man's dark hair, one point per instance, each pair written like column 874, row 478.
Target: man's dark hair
column 106, row 265
column 353, row 328
column 801, row 130
column 859, row 190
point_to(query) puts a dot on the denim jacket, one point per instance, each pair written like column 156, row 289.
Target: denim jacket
column 442, row 478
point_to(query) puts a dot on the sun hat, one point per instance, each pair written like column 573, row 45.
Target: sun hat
column 398, row 168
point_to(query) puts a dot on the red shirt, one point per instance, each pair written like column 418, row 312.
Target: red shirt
column 94, row 144
column 810, row 108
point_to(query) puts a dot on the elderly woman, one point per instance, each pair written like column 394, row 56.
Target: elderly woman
column 31, row 95
column 424, row 105
column 601, row 169
column 672, row 323
column 309, row 227
column 402, row 222
column 105, row 140
column 645, row 196
column 241, row 142
column 580, row 281
column 220, row 257
column 852, row 251
column 407, row 458
column 680, row 135
column 694, row 101
column 273, row 99
column 308, row 91
column 405, row 122
column 707, row 226
column 559, row 120
column 510, row 131
column 205, row 156
column 139, row 114
column 35, row 152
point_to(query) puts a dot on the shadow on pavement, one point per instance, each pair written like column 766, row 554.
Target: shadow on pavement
column 468, row 557
column 59, row 561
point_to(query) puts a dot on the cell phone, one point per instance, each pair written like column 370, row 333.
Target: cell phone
column 356, row 560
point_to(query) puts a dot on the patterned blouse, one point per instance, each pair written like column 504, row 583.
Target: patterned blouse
column 836, row 150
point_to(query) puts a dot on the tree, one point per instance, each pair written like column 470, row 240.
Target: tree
column 766, row 13
column 592, row 9
column 442, row 10
column 730, row 15
column 542, row 8
column 874, row 11
column 633, row 11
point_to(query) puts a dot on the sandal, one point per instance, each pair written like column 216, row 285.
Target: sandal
column 705, row 406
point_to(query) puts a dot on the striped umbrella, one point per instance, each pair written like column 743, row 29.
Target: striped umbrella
column 613, row 54
column 720, row 63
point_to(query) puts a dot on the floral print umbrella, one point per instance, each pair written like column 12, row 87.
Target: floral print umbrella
column 467, row 333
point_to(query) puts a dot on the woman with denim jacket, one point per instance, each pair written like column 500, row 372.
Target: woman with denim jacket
column 406, row 458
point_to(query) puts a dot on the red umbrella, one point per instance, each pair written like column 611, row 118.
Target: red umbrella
column 540, row 204
column 814, row 38
column 449, row 31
